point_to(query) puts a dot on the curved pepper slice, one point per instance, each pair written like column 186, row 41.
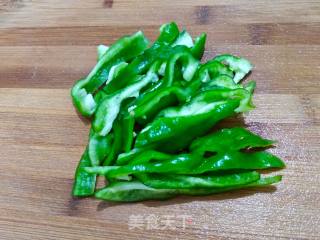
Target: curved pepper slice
column 84, row 182
column 151, row 103
column 189, row 65
column 136, row 191
column 199, row 45
column 240, row 66
column 212, row 69
column 99, row 147
column 168, row 33
column 123, row 50
column 199, row 181
column 109, row 108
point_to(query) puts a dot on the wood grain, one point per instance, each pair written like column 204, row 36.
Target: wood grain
column 46, row 45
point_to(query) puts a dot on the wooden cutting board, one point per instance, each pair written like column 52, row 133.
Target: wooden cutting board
column 46, row 45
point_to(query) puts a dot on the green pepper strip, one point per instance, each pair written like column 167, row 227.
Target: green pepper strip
column 168, row 129
column 150, row 104
column 240, row 66
column 84, row 182
column 117, row 143
column 168, row 33
column 136, row 191
column 225, row 147
column 125, row 158
column 212, row 69
column 194, row 164
column 109, row 108
column 199, row 45
column 205, row 181
column 159, row 50
column 99, row 147
column 189, row 65
column 127, row 132
column 124, row 49
column 169, row 133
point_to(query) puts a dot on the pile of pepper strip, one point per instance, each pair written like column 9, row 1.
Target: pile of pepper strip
column 152, row 109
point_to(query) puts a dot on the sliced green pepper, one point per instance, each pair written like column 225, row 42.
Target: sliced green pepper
column 240, row 66
column 199, row 45
column 200, row 181
column 99, row 147
column 225, row 153
column 225, row 147
column 212, row 69
column 132, row 192
column 117, row 143
column 189, row 65
column 109, row 108
column 160, row 50
column 167, row 131
column 150, row 104
column 136, row 191
column 262, row 182
column 123, row 50
column 84, row 182
column 127, row 132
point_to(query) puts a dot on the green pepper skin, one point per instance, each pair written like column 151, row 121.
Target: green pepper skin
column 161, row 181
column 136, row 191
column 168, row 33
column 84, row 182
column 199, row 45
column 124, row 49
